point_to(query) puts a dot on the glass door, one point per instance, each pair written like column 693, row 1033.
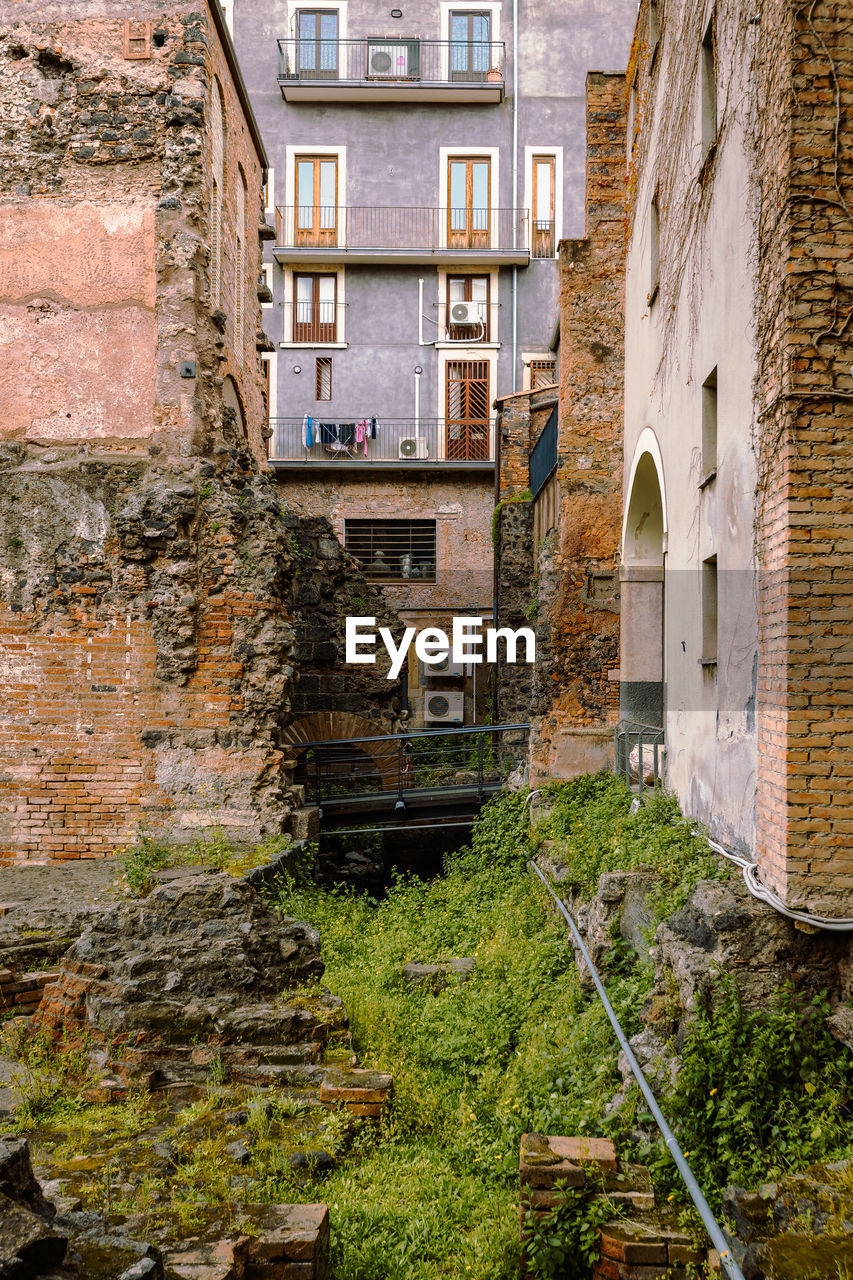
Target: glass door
column 470, row 34
column 317, row 200
column 317, row 36
column 469, row 203
column 543, row 207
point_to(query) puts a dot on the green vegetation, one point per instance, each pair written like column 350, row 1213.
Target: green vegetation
column 519, row 1047
column 525, row 496
column 152, row 852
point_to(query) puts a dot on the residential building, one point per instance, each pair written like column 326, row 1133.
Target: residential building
column 737, row 558
column 426, row 161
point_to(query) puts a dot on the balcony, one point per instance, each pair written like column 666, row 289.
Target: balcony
column 367, row 234
column 377, row 69
column 398, row 444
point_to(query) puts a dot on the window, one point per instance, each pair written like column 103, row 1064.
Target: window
column 315, row 307
column 240, row 268
column 708, row 88
column 709, row 427
column 654, row 245
column 470, row 48
column 709, row 610
column 317, row 37
column 467, row 404
column 269, row 191
column 542, row 373
column 316, row 200
column 468, row 308
column 323, row 378
column 469, row 202
column 543, row 207
column 267, row 281
column 217, row 143
column 393, row 550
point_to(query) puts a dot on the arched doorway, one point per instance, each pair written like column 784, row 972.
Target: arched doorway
column 641, row 663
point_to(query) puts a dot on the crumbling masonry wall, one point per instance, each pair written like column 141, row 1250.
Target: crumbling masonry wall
column 145, row 573
column 574, row 698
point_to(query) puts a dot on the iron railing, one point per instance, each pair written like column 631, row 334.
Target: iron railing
column 379, row 63
column 474, row 761
column 350, row 438
column 543, row 456
column 379, row 228
column 648, row 743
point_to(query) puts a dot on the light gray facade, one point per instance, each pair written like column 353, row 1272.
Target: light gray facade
column 394, row 136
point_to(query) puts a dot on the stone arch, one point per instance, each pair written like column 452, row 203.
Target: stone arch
column 642, row 576
column 644, row 527
column 337, row 726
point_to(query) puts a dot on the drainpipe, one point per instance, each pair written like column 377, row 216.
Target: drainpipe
column 515, row 192
column 420, row 312
column 418, row 372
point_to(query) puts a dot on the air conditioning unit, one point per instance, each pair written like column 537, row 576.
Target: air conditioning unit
column 466, row 313
column 445, row 707
column 444, row 667
column 394, row 60
column 413, row 447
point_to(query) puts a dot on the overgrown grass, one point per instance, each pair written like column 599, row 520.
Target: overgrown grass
column 518, row 1047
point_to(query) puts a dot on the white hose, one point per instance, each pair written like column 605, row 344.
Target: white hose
column 760, row 891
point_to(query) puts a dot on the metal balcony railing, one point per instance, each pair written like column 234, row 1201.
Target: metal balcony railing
column 376, row 228
column 379, row 62
column 354, row 438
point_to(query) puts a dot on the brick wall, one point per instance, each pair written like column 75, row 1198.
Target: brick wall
column 145, row 573
column 805, row 529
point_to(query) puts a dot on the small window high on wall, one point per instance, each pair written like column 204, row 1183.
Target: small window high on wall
column 393, row 550
column 323, row 378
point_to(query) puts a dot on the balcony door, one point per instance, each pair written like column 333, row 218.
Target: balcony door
column 316, row 298
column 470, row 324
column 470, row 34
column 317, row 44
column 466, row 415
column 543, row 207
column 317, row 200
column 469, row 202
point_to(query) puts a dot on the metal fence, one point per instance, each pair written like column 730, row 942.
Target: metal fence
column 353, row 438
column 378, row 62
column 543, row 456
column 372, row 227
column 646, row 766
column 473, row 760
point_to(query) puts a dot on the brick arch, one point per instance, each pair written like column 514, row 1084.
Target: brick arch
column 336, row 726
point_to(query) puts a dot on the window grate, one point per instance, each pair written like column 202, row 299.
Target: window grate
column 323, row 378
column 543, row 373
column 393, row 550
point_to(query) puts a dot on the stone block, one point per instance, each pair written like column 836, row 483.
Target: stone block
column 355, row 1084
column 627, row 1241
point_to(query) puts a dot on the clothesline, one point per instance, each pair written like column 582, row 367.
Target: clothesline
column 339, row 437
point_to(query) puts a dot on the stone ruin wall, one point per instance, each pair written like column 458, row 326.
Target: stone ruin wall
column 146, row 572
column 573, row 699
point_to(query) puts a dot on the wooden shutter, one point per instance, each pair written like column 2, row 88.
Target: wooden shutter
column 467, row 402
